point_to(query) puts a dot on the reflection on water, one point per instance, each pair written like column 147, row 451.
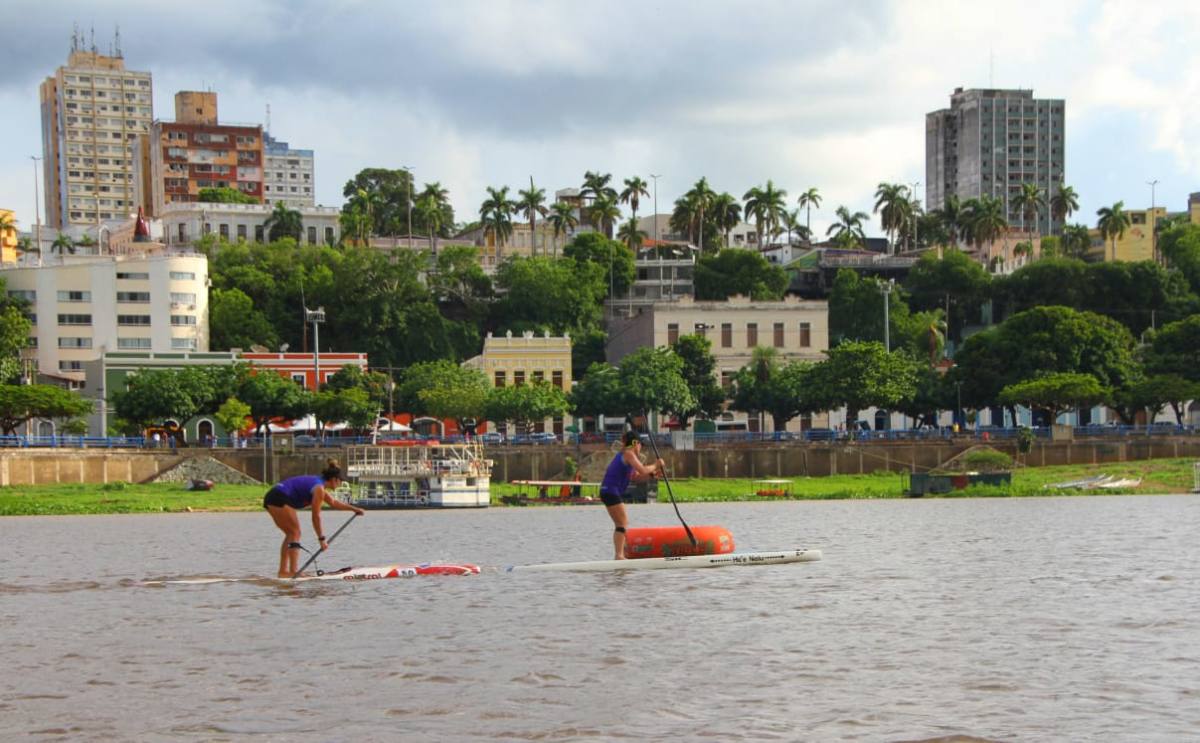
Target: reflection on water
column 1026, row 619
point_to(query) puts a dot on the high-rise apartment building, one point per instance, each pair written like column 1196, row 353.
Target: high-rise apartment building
column 176, row 159
column 288, row 176
column 990, row 142
column 93, row 110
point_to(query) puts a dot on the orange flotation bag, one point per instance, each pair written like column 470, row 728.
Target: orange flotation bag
column 672, row 541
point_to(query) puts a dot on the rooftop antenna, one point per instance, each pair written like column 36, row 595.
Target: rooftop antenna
column 93, row 38
column 75, row 37
column 268, row 118
column 117, row 42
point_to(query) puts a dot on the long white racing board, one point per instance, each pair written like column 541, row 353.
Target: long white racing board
column 350, row 574
column 672, row 563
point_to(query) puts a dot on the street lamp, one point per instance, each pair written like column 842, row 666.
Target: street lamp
column 959, row 416
column 912, row 192
column 657, row 247
column 1154, row 224
column 391, row 387
column 316, row 317
column 100, row 237
column 885, row 288
column 37, row 208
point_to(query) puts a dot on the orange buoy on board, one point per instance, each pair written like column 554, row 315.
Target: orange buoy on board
column 672, row 541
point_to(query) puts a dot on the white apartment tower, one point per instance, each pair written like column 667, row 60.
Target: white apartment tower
column 288, row 175
column 991, row 142
column 93, row 110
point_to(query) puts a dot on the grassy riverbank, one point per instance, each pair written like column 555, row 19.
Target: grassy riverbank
column 1158, row 476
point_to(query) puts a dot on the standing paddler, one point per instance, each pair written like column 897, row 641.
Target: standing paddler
column 294, row 493
column 625, row 467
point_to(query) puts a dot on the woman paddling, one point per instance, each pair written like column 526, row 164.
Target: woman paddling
column 625, row 466
column 294, row 493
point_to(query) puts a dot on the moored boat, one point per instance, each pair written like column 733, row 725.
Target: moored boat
column 425, row 474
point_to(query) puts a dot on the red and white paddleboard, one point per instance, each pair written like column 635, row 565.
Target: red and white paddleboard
column 368, row 573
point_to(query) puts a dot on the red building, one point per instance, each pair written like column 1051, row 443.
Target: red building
column 302, row 367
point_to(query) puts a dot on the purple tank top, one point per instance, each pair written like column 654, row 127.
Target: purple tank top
column 299, row 490
column 616, row 477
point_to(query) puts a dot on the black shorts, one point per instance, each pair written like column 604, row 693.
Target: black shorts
column 275, row 497
column 609, row 499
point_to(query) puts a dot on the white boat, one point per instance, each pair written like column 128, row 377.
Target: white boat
column 673, row 563
column 418, row 474
column 352, row 574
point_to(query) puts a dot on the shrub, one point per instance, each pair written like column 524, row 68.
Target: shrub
column 987, row 460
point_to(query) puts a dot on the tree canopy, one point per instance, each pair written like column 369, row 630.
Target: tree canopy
column 736, row 271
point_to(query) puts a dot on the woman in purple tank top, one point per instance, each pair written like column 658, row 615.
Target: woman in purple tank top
column 294, row 493
column 626, row 466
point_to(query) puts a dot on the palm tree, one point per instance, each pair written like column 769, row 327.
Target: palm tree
column 532, row 202
column 604, row 213
column 807, row 200
column 495, row 213
column 635, row 189
column 1030, row 201
column 683, row 217
column 562, row 218
column 1113, row 222
column 952, row 213
column 355, row 222
column 431, row 212
column 767, row 205
column 791, row 223
column 986, row 221
column 435, row 196
column 25, row 246
column 1076, row 241
column 936, row 333
column 726, row 213
column 702, row 197
column 891, row 203
column 283, row 222
column 1063, row 203
column 63, row 244
column 631, row 235
column 849, row 227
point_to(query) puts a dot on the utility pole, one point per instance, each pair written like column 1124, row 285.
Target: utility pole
column 316, row 317
column 1153, row 222
column 657, row 247
column 37, row 208
column 912, row 195
column 885, row 288
column 408, row 170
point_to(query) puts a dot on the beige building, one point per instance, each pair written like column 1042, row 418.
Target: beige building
column 8, row 236
column 84, row 305
column 93, row 110
column 797, row 329
column 185, row 222
column 516, row 360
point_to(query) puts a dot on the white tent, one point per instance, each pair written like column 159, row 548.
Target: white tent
column 385, row 425
column 307, row 423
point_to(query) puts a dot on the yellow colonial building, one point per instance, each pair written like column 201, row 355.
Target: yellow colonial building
column 1137, row 244
column 516, row 360
column 8, row 236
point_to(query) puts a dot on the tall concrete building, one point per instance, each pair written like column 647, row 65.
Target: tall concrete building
column 288, row 176
column 990, row 142
column 93, row 110
column 176, row 159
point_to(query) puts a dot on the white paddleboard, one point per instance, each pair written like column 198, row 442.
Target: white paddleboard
column 671, row 563
column 352, row 574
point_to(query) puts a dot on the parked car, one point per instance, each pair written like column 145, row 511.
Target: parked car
column 492, row 438
column 306, row 440
column 519, row 439
column 543, row 438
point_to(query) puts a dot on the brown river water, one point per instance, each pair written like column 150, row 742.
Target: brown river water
column 1038, row 619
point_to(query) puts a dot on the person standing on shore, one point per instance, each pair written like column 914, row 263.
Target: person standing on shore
column 625, row 467
column 284, row 499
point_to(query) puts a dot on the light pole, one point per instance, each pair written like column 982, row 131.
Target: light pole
column 1154, row 224
column 316, row 317
column 37, row 208
column 657, row 247
column 391, row 387
column 959, row 416
column 100, row 237
column 912, row 194
column 408, row 170
column 885, row 288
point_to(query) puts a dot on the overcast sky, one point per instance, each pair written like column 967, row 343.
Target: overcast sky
column 831, row 94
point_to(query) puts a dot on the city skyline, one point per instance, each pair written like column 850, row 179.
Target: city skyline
column 487, row 95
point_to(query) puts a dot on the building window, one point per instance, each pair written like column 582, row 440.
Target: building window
column 70, row 296
column 329, row 235
column 499, row 379
column 74, row 342
column 182, row 233
column 672, row 333
column 223, row 229
column 133, row 343
column 518, row 379
column 133, row 276
column 258, row 233
column 28, row 295
column 779, row 335
column 178, row 320
column 726, row 379
column 241, row 231
column 70, row 366
column 183, row 276
column 556, row 378
column 182, row 344
column 133, row 320
column 751, row 334
column 74, row 319
column 300, row 379
column 183, row 298
column 539, row 376
column 726, row 335
column 805, row 335
column 701, row 329
column 312, row 235
column 137, row 297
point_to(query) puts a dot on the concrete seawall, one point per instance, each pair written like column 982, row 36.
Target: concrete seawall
column 49, row 466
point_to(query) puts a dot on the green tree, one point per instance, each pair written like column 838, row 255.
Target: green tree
column 14, row 335
column 1064, row 202
column 62, row 244
column 271, row 396
column 437, row 375
column 635, row 190
column 542, row 293
column 525, row 404
column 1030, row 201
column 562, row 219
column 985, row 220
column 807, row 200
column 224, row 195
column 604, row 213
column 352, row 377
column 726, row 214
column 283, row 222
column 1174, row 350
column 894, row 209
column 21, row 403
column 1055, row 394
column 532, row 203
column 766, row 204
column 234, row 322
column 457, row 280
column 699, row 373
column 232, row 415
column 732, row 271
column 954, row 282
column 614, row 261
column 1180, row 245
column 860, row 375
column 152, row 397
column 1076, row 241
column 848, row 229
column 652, row 379
column 631, row 236
column 598, row 392
column 352, row 406
column 495, row 214
column 1156, row 392
column 1113, row 222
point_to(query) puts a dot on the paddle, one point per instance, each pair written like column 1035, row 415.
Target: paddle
column 327, row 541
column 662, row 473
